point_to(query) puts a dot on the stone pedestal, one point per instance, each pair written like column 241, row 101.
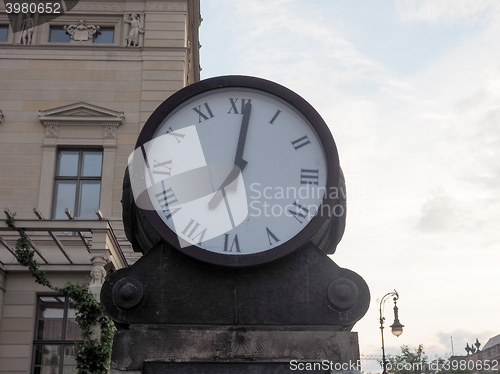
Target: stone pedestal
column 179, row 315
column 234, row 349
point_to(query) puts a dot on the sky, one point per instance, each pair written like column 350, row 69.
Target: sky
column 411, row 92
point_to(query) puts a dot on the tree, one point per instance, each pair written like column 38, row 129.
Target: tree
column 408, row 362
column 415, row 361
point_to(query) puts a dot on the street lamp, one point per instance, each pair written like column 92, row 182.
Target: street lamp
column 396, row 327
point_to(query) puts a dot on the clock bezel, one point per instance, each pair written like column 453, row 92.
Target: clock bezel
column 302, row 106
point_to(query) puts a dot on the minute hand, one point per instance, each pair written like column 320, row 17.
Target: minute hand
column 239, row 162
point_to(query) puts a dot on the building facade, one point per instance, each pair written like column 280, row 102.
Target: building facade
column 485, row 359
column 75, row 91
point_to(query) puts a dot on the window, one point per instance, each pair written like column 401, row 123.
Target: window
column 58, row 35
column 55, row 336
column 4, row 32
column 105, row 35
column 77, row 184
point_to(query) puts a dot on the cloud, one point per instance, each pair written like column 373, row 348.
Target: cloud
column 464, row 190
column 440, row 213
column 474, row 140
column 460, row 338
column 420, row 149
column 284, row 41
column 464, row 12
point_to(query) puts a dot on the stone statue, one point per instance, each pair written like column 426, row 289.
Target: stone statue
column 27, row 30
column 477, row 344
column 98, row 273
column 135, row 29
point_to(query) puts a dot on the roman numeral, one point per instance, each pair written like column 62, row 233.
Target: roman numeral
column 309, row 176
column 178, row 136
column 271, row 237
column 192, row 232
column 204, row 112
column 300, row 142
column 166, row 198
column 162, row 167
column 235, row 244
column 299, row 212
column 274, row 117
column 171, row 212
column 234, row 106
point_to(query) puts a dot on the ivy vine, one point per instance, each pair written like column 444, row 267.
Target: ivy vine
column 94, row 353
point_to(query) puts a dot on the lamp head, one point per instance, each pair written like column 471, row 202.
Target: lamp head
column 396, row 327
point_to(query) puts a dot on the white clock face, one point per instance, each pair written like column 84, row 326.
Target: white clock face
column 235, row 171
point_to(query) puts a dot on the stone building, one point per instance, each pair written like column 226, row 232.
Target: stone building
column 485, row 359
column 75, row 91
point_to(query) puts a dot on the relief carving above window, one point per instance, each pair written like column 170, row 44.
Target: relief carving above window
column 97, row 31
column 81, row 31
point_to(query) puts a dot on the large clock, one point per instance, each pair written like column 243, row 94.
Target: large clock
column 235, row 171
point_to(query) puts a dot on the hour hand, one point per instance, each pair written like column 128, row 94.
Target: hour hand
column 228, row 182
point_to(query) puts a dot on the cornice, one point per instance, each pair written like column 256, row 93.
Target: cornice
column 166, row 6
column 81, row 114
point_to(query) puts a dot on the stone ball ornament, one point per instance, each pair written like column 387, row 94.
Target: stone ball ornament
column 235, row 171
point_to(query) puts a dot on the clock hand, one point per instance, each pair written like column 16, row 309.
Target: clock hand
column 239, row 162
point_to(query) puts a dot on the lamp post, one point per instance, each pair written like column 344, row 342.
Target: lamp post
column 396, row 327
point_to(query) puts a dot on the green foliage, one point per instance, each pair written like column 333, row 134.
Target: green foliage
column 94, row 353
column 416, row 362
column 408, row 362
column 25, row 254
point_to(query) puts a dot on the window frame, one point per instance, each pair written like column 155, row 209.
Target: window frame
column 107, row 28
column 79, row 178
column 116, row 22
column 79, row 125
column 5, row 21
column 61, row 343
column 59, row 27
column 7, row 27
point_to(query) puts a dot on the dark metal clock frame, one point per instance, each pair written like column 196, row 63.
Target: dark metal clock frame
column 310, row 114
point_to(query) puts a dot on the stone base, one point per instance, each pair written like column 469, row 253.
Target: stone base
column 304, row 288
column 234, row 349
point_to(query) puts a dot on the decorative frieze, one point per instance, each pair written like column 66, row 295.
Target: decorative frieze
column 99, row 6
column 166, row 6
